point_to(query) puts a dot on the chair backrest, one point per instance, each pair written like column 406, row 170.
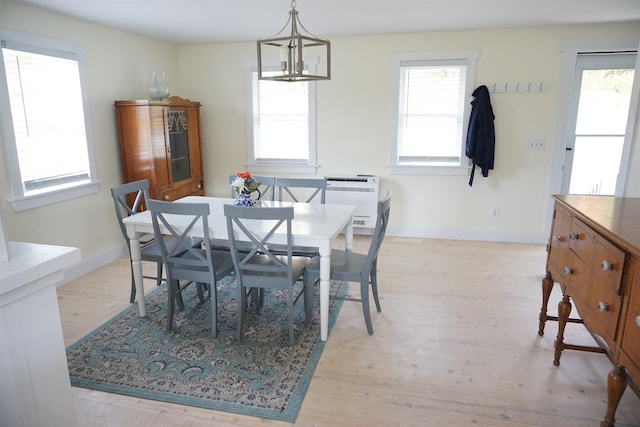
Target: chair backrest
column 257, row 225
column 318, row 187
column 194, row 264
column 379, row 231
column 267, row 186
column 129, row 199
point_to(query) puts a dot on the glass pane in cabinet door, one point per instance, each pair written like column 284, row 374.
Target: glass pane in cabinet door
column 179, row 145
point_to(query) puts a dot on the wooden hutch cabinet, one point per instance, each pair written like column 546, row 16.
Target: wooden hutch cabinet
column 160, row 141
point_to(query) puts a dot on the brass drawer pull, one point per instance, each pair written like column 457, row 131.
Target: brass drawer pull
column 606, row 265
column 603, row 306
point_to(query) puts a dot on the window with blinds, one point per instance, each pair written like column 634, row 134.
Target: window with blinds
column 281, row 124
column 44, row 119
column 280, row 120
column 432, row 112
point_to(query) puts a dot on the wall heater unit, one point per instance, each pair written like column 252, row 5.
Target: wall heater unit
column 361, row 191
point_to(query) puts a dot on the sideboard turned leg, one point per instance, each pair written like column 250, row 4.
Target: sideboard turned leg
column 564, row 309
column 547, row 286
column 616, row 384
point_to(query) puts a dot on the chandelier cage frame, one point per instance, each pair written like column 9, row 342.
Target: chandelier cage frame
column 290, row 52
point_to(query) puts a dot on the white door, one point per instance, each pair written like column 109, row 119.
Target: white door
column 598, row 120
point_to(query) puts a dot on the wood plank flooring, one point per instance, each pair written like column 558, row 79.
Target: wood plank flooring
column 456, row 344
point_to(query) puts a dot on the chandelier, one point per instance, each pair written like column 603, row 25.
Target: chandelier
column 296, row 52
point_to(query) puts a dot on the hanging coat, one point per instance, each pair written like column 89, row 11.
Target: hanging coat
column 481, row 137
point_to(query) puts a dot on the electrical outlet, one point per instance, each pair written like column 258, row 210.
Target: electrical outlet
column 494, row 212
column 536, row 144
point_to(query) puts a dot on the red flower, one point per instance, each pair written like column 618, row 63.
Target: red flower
column 245, row 175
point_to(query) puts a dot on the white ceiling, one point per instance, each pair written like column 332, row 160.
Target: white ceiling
column 208, row 21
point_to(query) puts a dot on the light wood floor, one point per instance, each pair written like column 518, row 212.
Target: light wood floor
column 456, row 344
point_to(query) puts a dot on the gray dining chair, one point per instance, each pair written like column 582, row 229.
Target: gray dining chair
column 305, row 190
column 129, row 199
column 260, row 268
column 349, row 266
column 199, row 264
column 267, row 187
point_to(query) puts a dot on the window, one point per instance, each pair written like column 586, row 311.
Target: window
column 45, row 120
column 431, row 112
column 281, row 123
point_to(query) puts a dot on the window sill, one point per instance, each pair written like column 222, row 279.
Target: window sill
column 280, row 168
column 428, row 170
column 23, row 203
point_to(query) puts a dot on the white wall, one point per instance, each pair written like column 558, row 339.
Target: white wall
column 353, row 118
column 354, row 125
column 118, row 64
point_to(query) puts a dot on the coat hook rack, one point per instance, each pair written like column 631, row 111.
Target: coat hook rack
column 517, row 87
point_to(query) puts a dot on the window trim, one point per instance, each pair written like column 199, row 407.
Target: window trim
column 470, row 56
column 19, row 200
column 281, row 166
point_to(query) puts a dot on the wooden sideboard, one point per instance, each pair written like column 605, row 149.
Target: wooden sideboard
column 594, row 254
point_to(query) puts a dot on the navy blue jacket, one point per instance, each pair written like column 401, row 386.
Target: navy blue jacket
column 481, row 137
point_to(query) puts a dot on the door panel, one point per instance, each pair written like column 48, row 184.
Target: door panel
column 597, row 125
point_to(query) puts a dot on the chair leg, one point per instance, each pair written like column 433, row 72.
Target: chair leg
column 213, row 296
column 132, row 298
column 308, row 281
column 292, row 338
column 177, row 292
column 159, row 274
column 364, row 295
column 200, row 291
column 171, row 302
column 242, row 302
column 374, row 284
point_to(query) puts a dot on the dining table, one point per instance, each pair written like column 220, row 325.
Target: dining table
column 313, row 225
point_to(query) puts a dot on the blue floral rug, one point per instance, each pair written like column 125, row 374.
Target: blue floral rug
column 261, row 376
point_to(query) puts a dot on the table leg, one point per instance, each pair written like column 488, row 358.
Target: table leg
column 136, row 266
column 325, row 284
column 325, row 276
column 348, row 236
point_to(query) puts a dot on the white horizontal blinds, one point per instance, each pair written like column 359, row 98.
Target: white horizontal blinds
column 47, row 115
column 280, row 120
column 431, row 111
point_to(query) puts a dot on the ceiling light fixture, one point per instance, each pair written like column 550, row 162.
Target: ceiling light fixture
column 291, row 51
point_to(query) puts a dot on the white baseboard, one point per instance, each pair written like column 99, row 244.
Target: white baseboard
column 88, row 265
column 484, row 236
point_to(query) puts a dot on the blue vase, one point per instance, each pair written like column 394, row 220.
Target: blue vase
column 244, row 200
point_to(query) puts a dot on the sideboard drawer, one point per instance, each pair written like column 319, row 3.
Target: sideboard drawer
column 559, row 241
column 581, row 241
column 605, row 294
column 576, row 283
column 608, row 263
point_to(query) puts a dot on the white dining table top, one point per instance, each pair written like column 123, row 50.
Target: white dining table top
column 311, row 221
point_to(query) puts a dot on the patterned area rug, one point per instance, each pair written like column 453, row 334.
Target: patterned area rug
column 261, row 376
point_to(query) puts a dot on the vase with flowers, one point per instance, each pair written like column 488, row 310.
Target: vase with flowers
column 245, row 185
